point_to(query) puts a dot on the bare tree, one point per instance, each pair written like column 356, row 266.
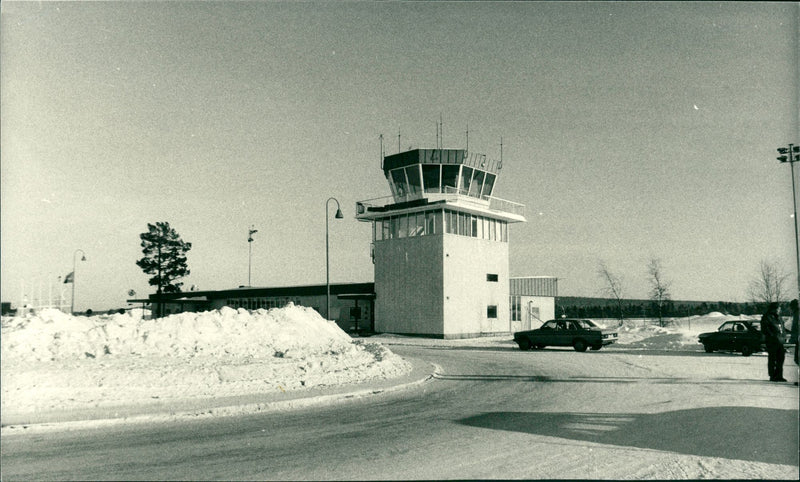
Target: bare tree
column 612, row 286
column 768, row 285
column 659, row 287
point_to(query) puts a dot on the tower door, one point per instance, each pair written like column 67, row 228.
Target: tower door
column 533, row 315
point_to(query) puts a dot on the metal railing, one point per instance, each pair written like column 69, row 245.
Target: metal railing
column 449, row 194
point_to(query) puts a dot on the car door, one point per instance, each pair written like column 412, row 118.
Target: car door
column 547, row 334
column 563, row 336
column 743, row 336
column 573, row 331
column 725, row 336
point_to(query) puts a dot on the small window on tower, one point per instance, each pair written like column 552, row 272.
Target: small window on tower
column 491, row 277
column 491, row 311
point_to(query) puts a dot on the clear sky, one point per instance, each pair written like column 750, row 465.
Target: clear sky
column 630, row 131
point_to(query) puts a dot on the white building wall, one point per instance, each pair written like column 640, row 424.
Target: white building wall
column 467, row 293
column 546, row 306
column 408, row 285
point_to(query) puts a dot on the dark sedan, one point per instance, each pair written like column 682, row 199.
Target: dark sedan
column 735, row 335
column 577, row 333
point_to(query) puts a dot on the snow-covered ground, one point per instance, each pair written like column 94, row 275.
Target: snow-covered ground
column 54, row 361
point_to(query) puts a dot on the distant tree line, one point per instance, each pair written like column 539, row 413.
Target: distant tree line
column 768, row 285
column 584, row 307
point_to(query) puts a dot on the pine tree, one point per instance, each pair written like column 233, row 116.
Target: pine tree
column 164, row 257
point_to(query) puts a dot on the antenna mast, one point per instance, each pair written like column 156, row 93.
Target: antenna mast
column 398, row 139
column 501, row 149
column 467, row 137
column 441, row 129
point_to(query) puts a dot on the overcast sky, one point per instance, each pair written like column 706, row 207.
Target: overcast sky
column 630, row 131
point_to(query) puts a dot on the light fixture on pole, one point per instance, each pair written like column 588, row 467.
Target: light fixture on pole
column 327, row 257
column 74, row 265
column 792, row 155
column 250, row 234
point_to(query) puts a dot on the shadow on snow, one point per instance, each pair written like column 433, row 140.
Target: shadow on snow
column 742, row 433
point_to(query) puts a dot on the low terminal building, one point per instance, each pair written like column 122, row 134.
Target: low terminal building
column 352, row 304
column 532, row 301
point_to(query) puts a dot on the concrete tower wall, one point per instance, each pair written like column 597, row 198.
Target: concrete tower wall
column 408, row 285
column 471, row 267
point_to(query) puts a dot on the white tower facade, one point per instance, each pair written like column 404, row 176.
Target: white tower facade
column 440, row 245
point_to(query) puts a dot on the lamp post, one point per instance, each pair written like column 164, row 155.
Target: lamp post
column 250, row 234
column 792, row 155
column 327, row 257
column 74, row 265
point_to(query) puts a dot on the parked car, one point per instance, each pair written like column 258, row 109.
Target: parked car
column 735, row 335
column 574, row 332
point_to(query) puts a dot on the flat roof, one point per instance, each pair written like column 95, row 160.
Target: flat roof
column 442, row 156
column 254, row 292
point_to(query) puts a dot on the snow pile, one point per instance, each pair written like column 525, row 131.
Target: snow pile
column 51, row 360
column 291, row 331
column 677, row 334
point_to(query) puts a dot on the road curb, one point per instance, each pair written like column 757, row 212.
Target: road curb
column 421, row 373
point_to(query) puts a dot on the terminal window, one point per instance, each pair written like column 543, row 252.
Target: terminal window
column 516, row 308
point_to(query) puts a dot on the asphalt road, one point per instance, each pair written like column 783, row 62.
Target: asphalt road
column 488, row 413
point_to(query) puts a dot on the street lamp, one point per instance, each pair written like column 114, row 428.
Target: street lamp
column 74, row 264
column 250, row 234
column 327, row 257
column 792, row 155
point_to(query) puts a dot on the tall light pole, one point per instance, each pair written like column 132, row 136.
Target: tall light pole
column 327, row 257
column 250, row 234
column 792, row 155
column 74, row 265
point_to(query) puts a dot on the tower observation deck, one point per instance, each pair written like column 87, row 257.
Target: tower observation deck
column 422, row 177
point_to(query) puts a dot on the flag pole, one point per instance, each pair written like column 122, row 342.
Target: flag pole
column 74, row 263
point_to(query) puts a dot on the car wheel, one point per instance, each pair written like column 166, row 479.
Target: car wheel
column 747, row 350
column 708, row 347
column 524, row 344
column 579, row 345
column 538, row 346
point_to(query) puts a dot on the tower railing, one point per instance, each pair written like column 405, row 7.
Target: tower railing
column 451, row 195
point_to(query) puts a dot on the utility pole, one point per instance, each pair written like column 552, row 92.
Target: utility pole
column 792, row 155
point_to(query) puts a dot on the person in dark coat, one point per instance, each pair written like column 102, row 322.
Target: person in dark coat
column 772, row 328
column 795, row 328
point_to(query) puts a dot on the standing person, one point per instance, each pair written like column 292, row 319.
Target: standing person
column 772, row 328
column 795, row 328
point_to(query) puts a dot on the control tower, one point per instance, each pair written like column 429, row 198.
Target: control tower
column 440, row 245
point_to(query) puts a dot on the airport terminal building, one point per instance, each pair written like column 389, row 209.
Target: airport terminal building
column 440, row 254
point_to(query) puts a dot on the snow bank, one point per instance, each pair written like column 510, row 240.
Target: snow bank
column 291, row 331
column 51, row 360
column 677, row 334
